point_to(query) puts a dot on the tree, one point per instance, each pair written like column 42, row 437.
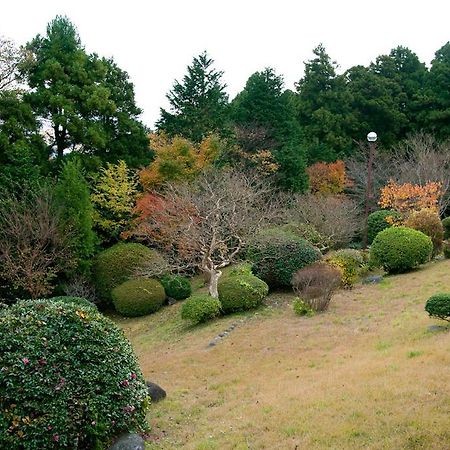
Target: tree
column 73, row 198
column 113, row 198
column 327, row 178
column 205, row 224
column 11, row 58
column 34, row 248
column 264, row 110
column 87, row 102
column 198, row 105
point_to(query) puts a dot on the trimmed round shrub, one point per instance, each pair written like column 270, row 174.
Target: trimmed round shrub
column 176, row 286
column 69, row 378
column 446, row 225
column 428, row 222
column 121, row 262
column 200, row 308
column 349, row 262
column 398, row 249
column 138, row 297
column 77, row 301
column 276, row 255
column 309, row 233
column 377, row 222
column 241, row 292
column 446, row 249
column 439, row 306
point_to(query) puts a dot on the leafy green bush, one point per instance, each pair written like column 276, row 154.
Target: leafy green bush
column 377, row 222
column 439, row 306
column 349, row 262
column 446, row 225
column 119, row 263
column 446, row 248
column 138, row 297
column 69, row 378
column 398, row 249
column 243, row 268
column 241, row 292
column 176, row 286
column 277, row 254
column 77, row 301
column 310, row 234
column 200, row 308
column 301, row 308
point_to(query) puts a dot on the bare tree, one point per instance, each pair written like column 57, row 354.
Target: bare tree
column 206, row 223
column 10, row 59
column 33, row 247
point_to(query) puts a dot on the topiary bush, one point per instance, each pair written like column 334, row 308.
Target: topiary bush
column 176, row 286
column 446, row 226
column 439, row 306
column 377, row 222
column 200, row 308
column 69, row 378
column 277, row 254
column 241, row 292
column 349, row 262
column 121, row 262
column 138, row 297
column 77, row 301
column 398, row 249
column 428, row 222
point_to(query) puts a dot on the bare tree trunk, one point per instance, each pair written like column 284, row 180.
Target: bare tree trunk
column 213, row 283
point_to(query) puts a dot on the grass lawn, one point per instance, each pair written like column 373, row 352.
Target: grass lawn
column 367, row 374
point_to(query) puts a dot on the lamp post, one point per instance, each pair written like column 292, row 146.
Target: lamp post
column 371, row 138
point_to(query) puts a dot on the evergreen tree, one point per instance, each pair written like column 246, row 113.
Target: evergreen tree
column 73, row 197
column 263, row 107
column 198, row 105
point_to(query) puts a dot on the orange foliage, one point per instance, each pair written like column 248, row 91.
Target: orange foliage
column 408, row 197
column 327, row 178
column 177, row 159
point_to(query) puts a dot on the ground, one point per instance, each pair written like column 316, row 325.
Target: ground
column 367, row 374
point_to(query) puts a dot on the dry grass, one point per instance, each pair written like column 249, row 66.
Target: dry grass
column 364, row 375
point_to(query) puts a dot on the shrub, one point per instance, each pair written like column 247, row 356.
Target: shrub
column 76, row 301
column 399, row 249
column 277, row 254
column 446, row 249
column 446, row 226
column 427, row 221
column 200, row 308
column 244, row 268
column 241, row 292
column 138, row 297
column 315, row 284
column 309, row 233
column 69, row 378
column 349, row 262
column 120, row 262
column 301, row 308
column 176, row 286
column 379, row 221
column 439, row 306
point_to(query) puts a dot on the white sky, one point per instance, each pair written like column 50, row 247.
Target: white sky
column 155, row 40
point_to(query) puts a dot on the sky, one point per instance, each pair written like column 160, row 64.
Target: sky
column 155, row 40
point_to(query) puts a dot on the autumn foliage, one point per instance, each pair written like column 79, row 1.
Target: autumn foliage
column 408, row 197
column 327, row 178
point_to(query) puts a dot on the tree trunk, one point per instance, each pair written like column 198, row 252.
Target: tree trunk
column 214, row 276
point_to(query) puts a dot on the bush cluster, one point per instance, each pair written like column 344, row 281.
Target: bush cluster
column 241, row 292
column 120, row 262
column 428, row 222
column 76, row 301
column 379, row 221
column 277, row 254
column 69, row 378
column 200, row 308
column 176, row 286
column 446, row 226
column 349, row 262
column 138, row 297
column 446, row 248
column 309, row 233
column 439, row 306
column 398, row 249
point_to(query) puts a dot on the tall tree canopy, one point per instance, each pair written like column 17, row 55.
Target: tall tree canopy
column 198, row 105
column 88, row 102
column 265, row 109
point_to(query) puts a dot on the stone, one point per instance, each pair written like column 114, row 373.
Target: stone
column 436, row 328
column 131, row 441
column 155, row 392
column 373, row 279
column 171, row 301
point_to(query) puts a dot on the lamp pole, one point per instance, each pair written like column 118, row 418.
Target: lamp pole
column 371, row 138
